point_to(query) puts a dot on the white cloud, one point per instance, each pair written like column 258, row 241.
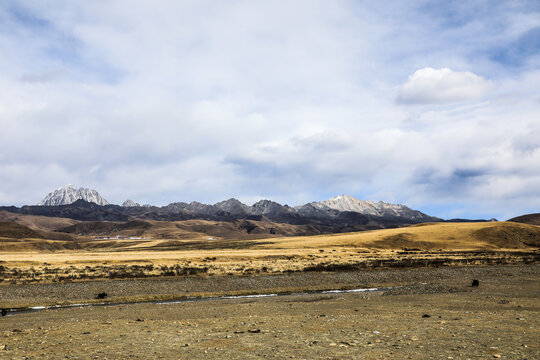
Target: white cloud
column 203, row 101
column 428, row 86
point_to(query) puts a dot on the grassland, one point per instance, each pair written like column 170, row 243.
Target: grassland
column 438, row 244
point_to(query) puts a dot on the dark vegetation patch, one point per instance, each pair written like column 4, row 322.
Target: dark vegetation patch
column 403, row 241
column 474, row 259
column 106, row 227
column 105, row 244
column 203, row 245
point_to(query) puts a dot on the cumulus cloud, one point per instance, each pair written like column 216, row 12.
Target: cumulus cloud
column 430, row 86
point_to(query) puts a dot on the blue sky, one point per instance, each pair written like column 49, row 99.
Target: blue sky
column 432, row 104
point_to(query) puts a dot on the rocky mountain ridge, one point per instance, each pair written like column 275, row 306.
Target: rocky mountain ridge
column 87, row 204
column 380, row 208
column 130, row 203
column 69, row 194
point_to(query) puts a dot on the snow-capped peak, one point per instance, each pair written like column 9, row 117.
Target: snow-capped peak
column 348, row 203
column 69, row 194
column 130, row 203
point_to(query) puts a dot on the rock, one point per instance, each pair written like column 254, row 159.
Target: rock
column 139, row 319
column 376, row 332
column 332, row 344
column 497, row 356
column 255, row 331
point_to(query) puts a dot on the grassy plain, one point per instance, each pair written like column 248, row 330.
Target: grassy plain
column 42, row 260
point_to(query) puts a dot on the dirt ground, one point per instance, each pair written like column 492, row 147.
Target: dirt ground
column 430, row 313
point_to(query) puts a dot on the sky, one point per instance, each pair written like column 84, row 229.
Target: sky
column 432, row 104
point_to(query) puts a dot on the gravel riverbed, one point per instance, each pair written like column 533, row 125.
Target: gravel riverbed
column 433, row 314
column 415, row 280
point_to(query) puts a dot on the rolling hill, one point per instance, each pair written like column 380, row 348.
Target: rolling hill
column 532, row 219
column 13, row 230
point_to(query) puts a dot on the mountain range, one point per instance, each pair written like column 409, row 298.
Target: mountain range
column 338, row 208
column 69, row 212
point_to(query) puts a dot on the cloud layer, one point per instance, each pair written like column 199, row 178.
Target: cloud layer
column 182, row 101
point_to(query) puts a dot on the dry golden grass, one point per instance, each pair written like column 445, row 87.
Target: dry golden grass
column 428, row 236
column 35, row 222
column 441, row 243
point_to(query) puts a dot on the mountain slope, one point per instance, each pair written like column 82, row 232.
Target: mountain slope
column 533, row 219
column 68, row 195
column 233, row 206
column 35, row 222
column 16, row 231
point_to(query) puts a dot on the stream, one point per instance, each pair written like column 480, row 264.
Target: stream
column 26, row 310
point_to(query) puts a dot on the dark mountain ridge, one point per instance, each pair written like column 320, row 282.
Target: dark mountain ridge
column 331, row 220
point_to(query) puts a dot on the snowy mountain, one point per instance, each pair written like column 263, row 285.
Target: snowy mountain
column 349, row 203
column 130, row 203
column 69, row 194
column 233, row 206
column 343, row 208
column 268, row 207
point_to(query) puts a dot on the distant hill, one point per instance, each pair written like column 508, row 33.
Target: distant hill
column 16, row 231
column 38, row 223
column 532, row 219
column 435, row 236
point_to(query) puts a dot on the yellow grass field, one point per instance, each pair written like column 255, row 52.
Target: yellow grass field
column 419, row 245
